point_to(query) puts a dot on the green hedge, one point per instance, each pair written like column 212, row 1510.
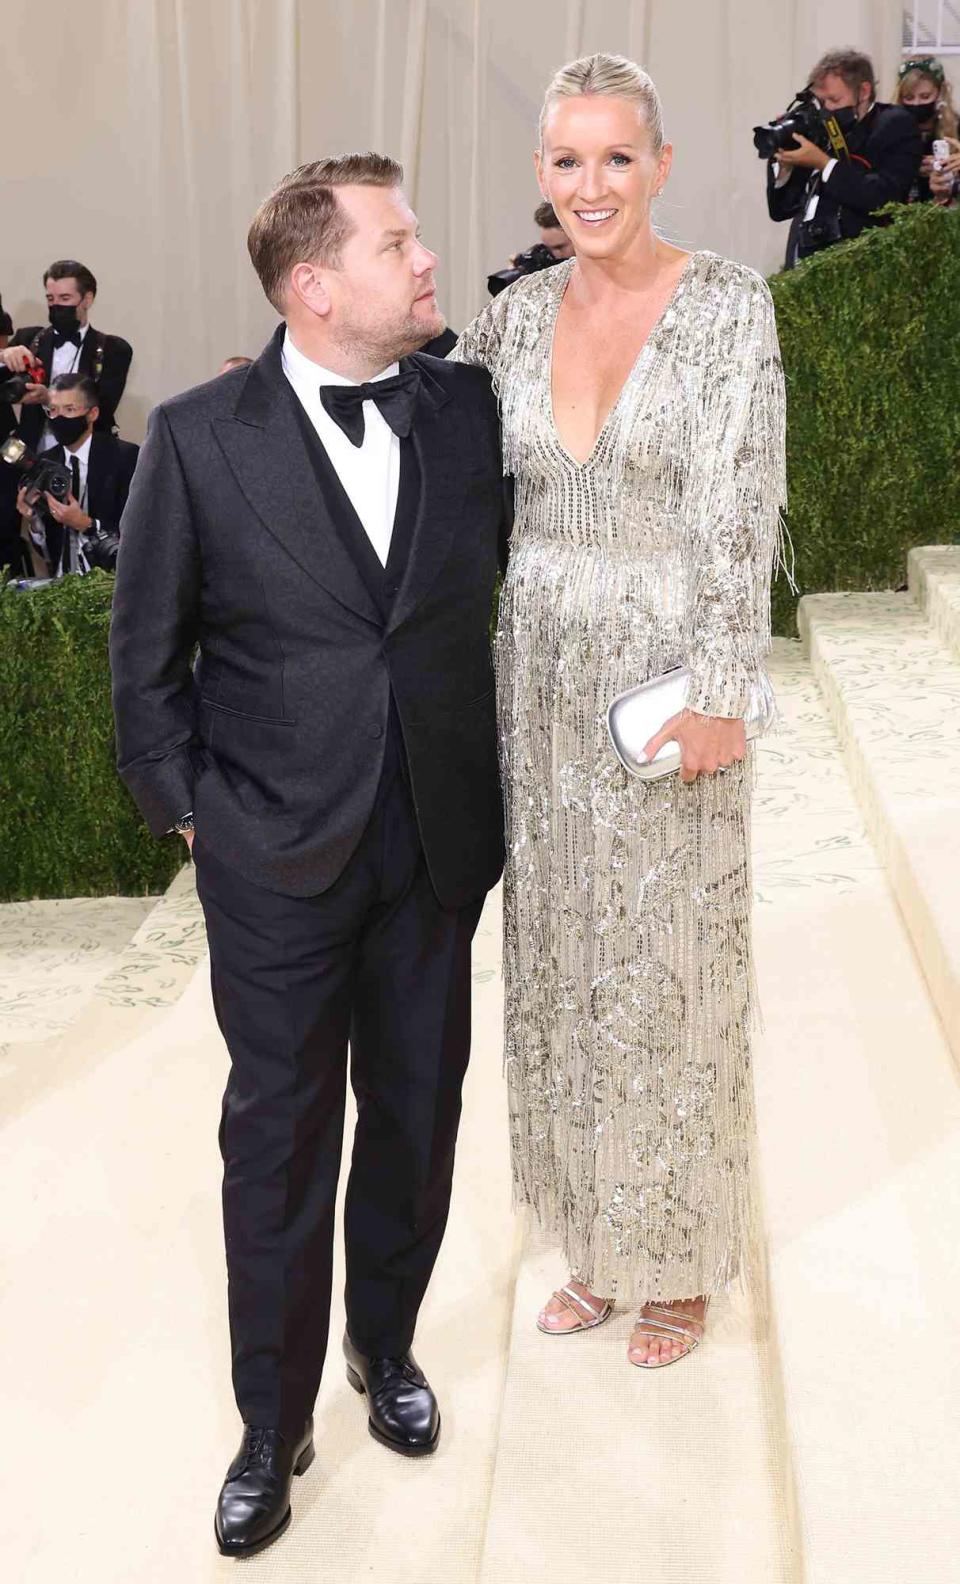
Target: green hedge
column 870, row 333
column 68, row 827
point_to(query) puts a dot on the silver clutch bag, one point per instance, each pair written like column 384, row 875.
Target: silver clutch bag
column 638, row 714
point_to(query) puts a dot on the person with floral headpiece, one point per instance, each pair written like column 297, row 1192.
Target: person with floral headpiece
column 923, row 89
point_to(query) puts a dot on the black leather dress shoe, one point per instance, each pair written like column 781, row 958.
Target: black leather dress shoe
column 254, row 1505
column 403, row 1412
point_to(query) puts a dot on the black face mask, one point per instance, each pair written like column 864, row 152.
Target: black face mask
column 846, row 118
column 922, row 112
column 69, row 430
column 63, row 317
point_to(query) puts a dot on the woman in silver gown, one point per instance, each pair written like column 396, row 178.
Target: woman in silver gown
column 643, row 421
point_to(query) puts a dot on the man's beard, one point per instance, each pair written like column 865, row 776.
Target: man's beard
column 387, row 343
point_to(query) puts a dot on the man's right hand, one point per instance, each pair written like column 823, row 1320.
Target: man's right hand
column 18, row 359
column 22, row 506
column 188, row 838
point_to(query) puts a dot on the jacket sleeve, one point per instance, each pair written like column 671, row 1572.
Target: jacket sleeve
column 894, row 154
column 786, row 201
column 738, row 489
column 118, row 355
column 153, row 633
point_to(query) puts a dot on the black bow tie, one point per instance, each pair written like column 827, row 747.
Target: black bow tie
column 396, row 398
column 61, row 337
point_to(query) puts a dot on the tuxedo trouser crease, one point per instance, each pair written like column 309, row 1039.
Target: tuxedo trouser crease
column 375, row 961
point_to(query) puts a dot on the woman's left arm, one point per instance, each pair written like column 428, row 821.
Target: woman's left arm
column 739, row 483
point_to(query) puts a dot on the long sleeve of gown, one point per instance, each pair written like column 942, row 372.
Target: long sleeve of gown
column 738, row 487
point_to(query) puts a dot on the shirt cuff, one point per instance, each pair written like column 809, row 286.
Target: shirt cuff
column 781, row 174
column 825, row 173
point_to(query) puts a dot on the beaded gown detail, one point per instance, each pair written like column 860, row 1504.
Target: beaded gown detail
column 627, row 952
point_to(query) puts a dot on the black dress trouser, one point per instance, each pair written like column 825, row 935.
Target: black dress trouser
column 376, row 961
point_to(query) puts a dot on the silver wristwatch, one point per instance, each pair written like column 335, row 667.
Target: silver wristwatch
column 184, row 826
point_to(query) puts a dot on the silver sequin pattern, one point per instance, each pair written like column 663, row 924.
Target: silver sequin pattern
column 627, row 956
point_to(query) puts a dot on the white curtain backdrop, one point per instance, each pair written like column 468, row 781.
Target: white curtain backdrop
column 141, row 134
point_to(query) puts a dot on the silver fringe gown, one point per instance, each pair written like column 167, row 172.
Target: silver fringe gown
column 627, row 958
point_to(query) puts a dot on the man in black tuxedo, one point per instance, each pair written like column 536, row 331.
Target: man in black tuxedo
column 829, row 200
column 68, row 345
column 83, row 531
column 326, row 524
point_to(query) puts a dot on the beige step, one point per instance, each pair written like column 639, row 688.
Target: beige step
column 859, row 1127
column 892, row 690
column 934, row 576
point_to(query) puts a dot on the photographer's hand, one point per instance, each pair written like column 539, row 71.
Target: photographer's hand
column 35, row 395
column 18, row 359
column 69, row 512
column 952, row 161
column 25, row 510
column 806, row 155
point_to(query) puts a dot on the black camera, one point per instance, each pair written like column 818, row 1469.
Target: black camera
column 15, row 388
column 42, row 475
column 804, row 117
column 539, row 257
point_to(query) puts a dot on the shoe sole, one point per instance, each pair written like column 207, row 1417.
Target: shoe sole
column 385, row 1440
column 300, row 1467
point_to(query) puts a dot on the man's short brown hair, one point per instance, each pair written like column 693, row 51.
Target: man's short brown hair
column 850, row 64
column 545, row 216
column 303, row 220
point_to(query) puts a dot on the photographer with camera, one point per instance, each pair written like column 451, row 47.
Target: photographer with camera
column 74, row 526
column 837, row 156
column 68, row 345
column 553, row 247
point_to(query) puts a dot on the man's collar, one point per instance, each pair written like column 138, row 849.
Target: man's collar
column 82, row 453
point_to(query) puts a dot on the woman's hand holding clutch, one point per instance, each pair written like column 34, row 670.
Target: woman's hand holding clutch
column 708, row 743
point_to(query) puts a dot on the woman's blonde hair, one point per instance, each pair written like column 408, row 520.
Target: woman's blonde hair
column 912, row 74
column 611, row 75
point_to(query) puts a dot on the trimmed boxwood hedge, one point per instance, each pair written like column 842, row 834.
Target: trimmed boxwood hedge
column 871, row 345
column 68, row 826
column 870, row 334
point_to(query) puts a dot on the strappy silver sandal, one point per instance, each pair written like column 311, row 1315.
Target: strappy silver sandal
column 683, row 1327
column 576, row 1303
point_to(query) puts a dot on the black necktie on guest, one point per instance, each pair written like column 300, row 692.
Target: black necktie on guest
column 61, row 337
column 396, row 399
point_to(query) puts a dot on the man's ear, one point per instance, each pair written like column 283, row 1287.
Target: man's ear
column 93, row 415
column 308, row 284
column 86, row 301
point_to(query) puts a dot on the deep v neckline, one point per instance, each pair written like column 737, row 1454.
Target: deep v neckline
column 628, row 380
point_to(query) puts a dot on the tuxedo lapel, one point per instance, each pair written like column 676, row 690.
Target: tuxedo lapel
column 266, row 453
column 434, row 436
column 98, row 476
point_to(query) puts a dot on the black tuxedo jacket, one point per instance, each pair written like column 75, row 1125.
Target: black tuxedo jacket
column 109, row 474
column 886, row 150
column 276, row 741
column 115, row 354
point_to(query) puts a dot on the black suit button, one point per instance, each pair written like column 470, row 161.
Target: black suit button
column 373, row 730
column 390, row 589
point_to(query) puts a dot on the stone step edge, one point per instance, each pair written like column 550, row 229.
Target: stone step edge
column 933, row 576
column 941, row 973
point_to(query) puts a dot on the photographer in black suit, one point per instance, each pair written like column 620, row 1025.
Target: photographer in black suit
column 326, row 525
column 829, row 199
column 83, row 531
column 68, row 345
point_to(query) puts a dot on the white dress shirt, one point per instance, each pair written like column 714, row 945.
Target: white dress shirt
column 370, row 473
